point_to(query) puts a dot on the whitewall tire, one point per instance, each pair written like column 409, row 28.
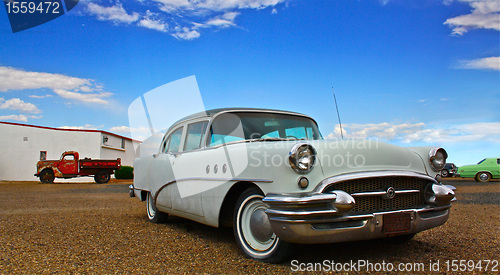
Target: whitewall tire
column 253, row 232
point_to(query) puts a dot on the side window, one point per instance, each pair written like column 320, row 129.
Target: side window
column 164, row 146
column 498, row 161
column 174, row 141
column 69, row 157
column 195, row 135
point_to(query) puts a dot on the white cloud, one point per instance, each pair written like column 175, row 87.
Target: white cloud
column 224, row 21
column 420, row 132
column 40, row 96
column 215, row 5
column 84, row 97
column 85, row 127
column 16, row 79
column 18, row 105
column 488, row 63
column 383, row 2
column 180, row 18
column 484, row 15
column 65, row 86
column 23, row 118
column 186, row 33
column 150, row 23
column 116, row 14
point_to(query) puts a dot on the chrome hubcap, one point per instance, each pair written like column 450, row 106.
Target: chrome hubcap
column 260, row 226
column 483, row 176
column 255, row 228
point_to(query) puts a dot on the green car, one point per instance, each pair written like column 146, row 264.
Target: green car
column 483, row 171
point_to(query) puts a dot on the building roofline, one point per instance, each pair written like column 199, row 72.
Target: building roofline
column 69, row 130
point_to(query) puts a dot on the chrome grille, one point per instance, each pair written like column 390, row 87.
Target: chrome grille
column 376, row 203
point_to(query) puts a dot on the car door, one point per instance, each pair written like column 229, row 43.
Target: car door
column 186, row 195
column 68, row 165
column 161, row 173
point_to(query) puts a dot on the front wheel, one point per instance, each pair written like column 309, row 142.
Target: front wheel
column 154, row 215
column 47, row 176
column 253, row 231
column 102, row 176
column 483, row 177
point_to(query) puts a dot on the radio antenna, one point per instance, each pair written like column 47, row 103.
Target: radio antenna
column 338, row 115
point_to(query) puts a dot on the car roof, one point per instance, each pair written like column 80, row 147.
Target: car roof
column 213, row 112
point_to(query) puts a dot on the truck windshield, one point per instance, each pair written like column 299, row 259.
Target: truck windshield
column 231, row 127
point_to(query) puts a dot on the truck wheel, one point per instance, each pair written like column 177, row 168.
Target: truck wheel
column 154, row 215
column 47, row 176
column 253, row 232
column 102, row 177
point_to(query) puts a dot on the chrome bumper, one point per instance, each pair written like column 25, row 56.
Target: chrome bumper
column 131, row 192
column 325, row 218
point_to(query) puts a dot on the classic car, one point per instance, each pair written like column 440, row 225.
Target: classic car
column 449, row 170
column 483, row 171
column 271, row 176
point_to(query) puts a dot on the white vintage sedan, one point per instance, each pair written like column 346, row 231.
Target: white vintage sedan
column 271, row 176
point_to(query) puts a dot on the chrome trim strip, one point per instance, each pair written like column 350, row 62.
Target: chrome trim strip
column 362, row 175
column 289, row 213
column 209, row 179
column 383, row 193
column 317, row 198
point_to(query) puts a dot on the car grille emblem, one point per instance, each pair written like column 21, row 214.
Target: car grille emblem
column 390, row 193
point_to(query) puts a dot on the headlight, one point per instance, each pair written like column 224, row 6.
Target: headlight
column 302, row 158
column 437, row 158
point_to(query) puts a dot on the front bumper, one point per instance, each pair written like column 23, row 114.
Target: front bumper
column 327, row 215
column 356, row 227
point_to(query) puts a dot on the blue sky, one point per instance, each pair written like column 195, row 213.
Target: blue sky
column 409, row 73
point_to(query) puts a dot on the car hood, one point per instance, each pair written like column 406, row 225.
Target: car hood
column 341, row 157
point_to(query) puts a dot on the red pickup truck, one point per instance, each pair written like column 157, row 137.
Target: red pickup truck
column 70, row 166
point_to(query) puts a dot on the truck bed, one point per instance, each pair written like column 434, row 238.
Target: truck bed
column 99, row 164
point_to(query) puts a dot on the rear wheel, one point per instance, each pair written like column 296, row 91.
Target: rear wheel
column 154, row 215
column 47, row 176
column 102, row 176
column 483, row 176
column 253, row 231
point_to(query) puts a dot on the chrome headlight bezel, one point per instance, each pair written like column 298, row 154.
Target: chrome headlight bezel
column 302, row 158
column 437, row 158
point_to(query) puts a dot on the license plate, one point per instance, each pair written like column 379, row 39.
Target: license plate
column 397, row 223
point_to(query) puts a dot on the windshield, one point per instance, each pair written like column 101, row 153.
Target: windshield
column 481, row 161
column 231, row 127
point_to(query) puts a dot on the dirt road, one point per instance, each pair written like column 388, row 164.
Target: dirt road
column 91, row 228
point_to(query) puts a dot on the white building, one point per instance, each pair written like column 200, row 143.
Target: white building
column 22, row 145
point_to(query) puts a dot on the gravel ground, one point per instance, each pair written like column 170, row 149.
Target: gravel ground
column 90, row 228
